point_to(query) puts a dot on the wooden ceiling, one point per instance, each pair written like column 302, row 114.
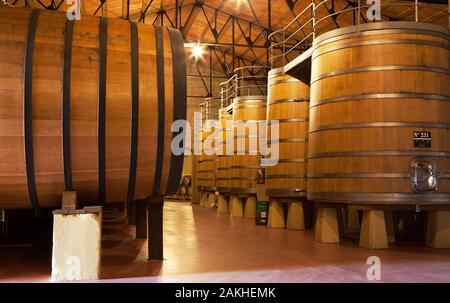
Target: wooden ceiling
column 211, row 21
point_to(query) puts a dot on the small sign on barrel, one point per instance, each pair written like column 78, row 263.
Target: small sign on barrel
column 422, row 139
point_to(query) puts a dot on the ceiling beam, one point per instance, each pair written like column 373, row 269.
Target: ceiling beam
column 195, row 10
column 263, row 30
column 144, row 12
column 291, row 6
column 126, row 9
column 432, row 1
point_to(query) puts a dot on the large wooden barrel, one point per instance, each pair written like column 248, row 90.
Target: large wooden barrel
column 223, row 161
column 87, row 105
column 248, row 111
column 380, row 115
column 288, row 103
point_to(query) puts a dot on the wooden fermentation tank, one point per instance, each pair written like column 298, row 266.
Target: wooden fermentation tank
column 248, row 112
column 380, row 115
column 223, row 161
column 207, row 161
column 288, row 103
column 87, row 105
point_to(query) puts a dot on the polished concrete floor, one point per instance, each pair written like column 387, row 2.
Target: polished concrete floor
column 202, row 246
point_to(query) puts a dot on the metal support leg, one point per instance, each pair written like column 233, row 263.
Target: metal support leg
column 141, row 219
column 155, row 228
column 131, row 213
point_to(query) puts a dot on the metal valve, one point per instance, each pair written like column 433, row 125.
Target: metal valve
column 261, row 176
column 423, row 175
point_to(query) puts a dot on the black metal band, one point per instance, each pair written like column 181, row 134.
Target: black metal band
column 243, row 191
column 67, row 155
column 27, row 107
column 209, row 188
column 134, row 109
column 179, row 104
column 286, row 192
column 161, row 109
column 102, row 108
column 379, row 197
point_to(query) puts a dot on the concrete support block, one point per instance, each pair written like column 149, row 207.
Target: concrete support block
column 276, row 215
column 373, row 230
column 203, row 197
column 222, row 204
column 77, row 236
column 236, row 207
column 250, row 207
column 326, row 229
column 296, row 216
column 438, row 229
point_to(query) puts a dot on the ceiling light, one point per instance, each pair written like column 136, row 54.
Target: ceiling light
column 197, row 51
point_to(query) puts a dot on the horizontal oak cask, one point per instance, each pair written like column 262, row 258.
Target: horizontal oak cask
column 87, row 105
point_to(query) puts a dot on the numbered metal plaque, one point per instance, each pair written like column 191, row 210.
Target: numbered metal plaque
column 422, row 139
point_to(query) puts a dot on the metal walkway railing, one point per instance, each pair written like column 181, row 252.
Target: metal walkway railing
column 210, row 109
column 246, row 81
column 285, row 44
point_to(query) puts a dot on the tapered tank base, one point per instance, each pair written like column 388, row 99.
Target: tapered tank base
column 438, row 229
column 204, row 199
column 236, row 207
column 296, row 216
column 250, row 207
column 200, row 201
column 211, row 200
column 373, row 230
column 276, row 215
column 326, row 229
column 222, row 204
